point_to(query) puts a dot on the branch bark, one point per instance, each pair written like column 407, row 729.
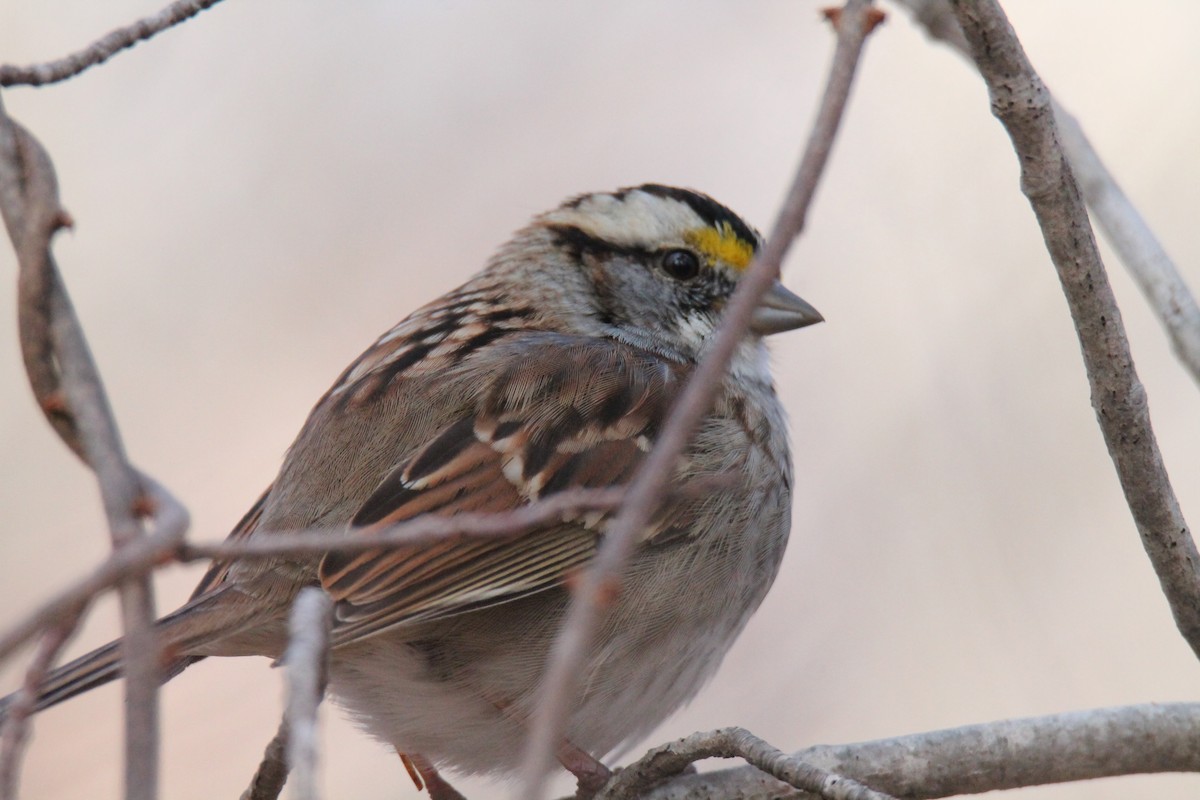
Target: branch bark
column 272, row 772
column 1022, row 104
column 1136, row 245
column 1009, row 754
column 661, row 763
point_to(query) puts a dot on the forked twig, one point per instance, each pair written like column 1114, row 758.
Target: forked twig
column 1131, row 237
column 1136, row 245
column 669, row 760
column 560, row 681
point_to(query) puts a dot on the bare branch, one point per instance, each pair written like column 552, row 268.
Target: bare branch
column 16, row 716
column 272, row 772
column 166, row 545
column 559, row 685
column 1136, row 245
column 69, row 389
column 104, row 48
column 670, row 760
column 419, row 531
column 1077, row 746
column 1138, row 248
column 1022, row 104
column 306, row 661
column 1000, row 755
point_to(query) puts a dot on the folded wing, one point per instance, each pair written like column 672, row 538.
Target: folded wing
column 580, row 415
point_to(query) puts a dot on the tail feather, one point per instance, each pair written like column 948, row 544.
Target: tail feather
column 87, row 672
column 97, row 668
column 194, row 623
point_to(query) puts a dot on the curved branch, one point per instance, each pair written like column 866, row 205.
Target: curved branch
column 1136, row 245
column 103, row 48
column 1022, row 104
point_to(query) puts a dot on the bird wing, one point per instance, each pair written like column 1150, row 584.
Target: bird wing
column 583, row 415
column 219, row 570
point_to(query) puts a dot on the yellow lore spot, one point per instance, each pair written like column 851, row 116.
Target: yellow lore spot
column 720, row 243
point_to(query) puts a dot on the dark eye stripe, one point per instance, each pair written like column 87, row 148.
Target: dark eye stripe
column 580, row 242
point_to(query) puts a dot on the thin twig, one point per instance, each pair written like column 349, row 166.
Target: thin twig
column 1135, row 244
column 166, row 545
column 419, row 531
column 669, row 760
column 1022, row 104
column 428, row 529
column 17, row 713
column 306, row 660
column 272, row 772
column 560, row 682
column 104, row 48
column 1009, row 754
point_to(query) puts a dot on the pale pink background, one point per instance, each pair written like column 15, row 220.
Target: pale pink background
column 260, row 193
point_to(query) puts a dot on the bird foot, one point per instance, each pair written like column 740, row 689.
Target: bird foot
column 426, row 777
column 590, row 774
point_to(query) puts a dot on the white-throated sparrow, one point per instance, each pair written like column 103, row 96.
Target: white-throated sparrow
column 552, row 368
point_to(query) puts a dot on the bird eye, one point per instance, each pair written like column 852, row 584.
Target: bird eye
column 682, row 265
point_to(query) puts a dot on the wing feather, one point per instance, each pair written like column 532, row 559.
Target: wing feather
column 219, row 570
column 574, row 414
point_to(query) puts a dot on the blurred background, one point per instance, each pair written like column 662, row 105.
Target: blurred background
column 262, row 191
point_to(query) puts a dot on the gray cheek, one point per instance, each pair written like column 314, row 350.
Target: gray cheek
column 641, row 292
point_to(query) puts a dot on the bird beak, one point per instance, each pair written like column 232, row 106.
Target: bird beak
column 780, row 310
